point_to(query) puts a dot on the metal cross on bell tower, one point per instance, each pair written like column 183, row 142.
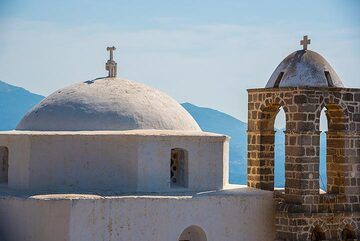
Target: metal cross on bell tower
column 305, row 42
column 111, row 65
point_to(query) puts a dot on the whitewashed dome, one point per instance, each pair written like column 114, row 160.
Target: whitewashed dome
column 304, row 68
column 108, row 104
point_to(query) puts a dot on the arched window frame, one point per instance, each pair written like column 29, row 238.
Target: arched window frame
column 348, row 233
column 335, row 147
column 317, row 234
column 266, row 124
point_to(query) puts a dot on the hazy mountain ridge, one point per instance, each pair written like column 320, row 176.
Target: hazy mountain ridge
column 14, row 103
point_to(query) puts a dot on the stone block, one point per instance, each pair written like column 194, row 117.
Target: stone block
column 356, row 117
column 300, row 99
column 300, row 117
column 357, row 97
column 307, row 108
column 305, row 126
column 348, row 97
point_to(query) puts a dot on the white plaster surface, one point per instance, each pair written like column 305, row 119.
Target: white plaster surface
column 108, row 104
column 238, row 213
column 126, row 161
column 304, row 68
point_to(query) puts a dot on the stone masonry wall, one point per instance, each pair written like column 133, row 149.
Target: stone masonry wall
column 302, row 108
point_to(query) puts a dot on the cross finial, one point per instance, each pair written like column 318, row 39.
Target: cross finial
column 304, row 42
column 111, row 65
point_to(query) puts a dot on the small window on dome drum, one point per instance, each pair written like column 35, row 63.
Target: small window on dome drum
column 178, row 168
column 277, row 82
column 328, row 78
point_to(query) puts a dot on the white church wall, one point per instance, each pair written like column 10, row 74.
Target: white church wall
column 231, row 215
column 32, row 219
column 70, row 161
column 225, row 169
column 87, row 162
column 207, row 164
column 19, row 159
column 120, row 161
column 153, row 171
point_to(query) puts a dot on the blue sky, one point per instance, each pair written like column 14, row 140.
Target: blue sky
column 204, row 52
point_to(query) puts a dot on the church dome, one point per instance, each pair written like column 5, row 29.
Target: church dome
column 108, row 104
column 304, row 68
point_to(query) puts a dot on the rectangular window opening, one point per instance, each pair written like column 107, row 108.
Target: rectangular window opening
column 178, row 168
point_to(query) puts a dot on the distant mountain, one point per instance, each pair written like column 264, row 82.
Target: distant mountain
column 14, row 103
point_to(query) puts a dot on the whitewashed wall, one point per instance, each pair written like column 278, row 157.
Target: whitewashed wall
column 240, row 214
column 115, row 160
column 207, row 163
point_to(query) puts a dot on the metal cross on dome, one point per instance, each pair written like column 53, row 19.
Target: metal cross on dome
column 111, row 49
column 304, row 42
column 111, row 65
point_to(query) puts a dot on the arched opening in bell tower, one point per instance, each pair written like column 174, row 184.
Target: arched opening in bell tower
column 279, row 149
column 265, row 174
column 323, row 150
column 332, row 145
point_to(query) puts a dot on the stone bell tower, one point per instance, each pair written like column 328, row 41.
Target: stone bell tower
column 303, row 84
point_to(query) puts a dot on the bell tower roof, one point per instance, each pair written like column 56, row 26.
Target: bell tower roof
column 304, row 68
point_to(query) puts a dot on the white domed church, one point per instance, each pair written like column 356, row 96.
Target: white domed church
column 111, row 159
